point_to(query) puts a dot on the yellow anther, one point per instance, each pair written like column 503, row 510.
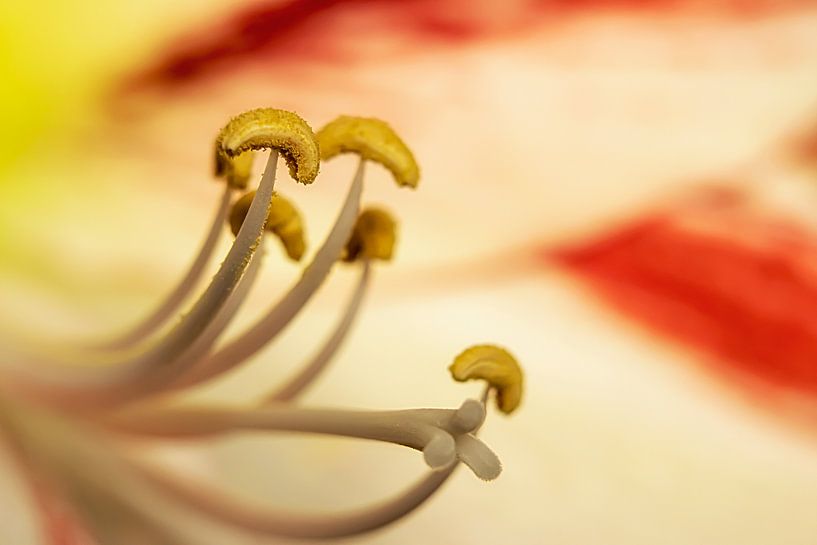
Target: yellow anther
column 266, row 128
column 283, row 220
column 372, row 139
column 373, row 236
column 237, row 170
column 494, row 365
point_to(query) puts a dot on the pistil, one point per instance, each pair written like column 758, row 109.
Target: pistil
column 432, row 431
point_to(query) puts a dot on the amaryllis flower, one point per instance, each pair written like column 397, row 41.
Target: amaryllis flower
column 620, row 192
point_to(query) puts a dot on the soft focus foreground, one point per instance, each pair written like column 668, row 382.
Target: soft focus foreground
column 539, row 128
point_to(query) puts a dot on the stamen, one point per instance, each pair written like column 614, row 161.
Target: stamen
column 268, row 128
column 318, row 363
column 184, row 287
column 172, row 378
column 96, row 385
column 373, row 237
column 205, row 342
column 283, row 220
column 235, row 170
column 266, row 328
column 496, row 366
column 253, row 130
column 80, row 452
column 372, row 139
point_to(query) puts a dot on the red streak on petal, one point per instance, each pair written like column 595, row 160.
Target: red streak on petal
column 313, row 29
column 244, row 34
column 720, row 277
column 60, row 525
column 805, row 147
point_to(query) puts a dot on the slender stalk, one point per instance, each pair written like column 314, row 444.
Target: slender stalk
column 104, row 383
column 267, row 327
column 222, row 285
column 162, row 383
column 225, row 316
column 165, row 309
column 411, row 428
column 321, row 359
column 273, row 523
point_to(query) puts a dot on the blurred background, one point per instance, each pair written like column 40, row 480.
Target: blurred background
column 623, row 193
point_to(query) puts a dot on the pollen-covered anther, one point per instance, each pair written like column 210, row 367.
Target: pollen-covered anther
column 283, row 219
column 373, row 236
column 236, row 171
column 497, row 367
column 266, row 128
column 372, row 139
